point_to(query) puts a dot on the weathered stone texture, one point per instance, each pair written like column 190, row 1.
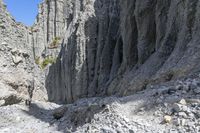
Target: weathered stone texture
column 109, row 47
column 17, row 67
column 119, row 47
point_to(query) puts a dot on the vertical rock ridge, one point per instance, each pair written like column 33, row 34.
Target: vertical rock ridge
column 119, row 47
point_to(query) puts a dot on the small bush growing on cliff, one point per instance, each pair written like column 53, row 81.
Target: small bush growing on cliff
column 34, row 30
column 47, row 61
column 54, row 43
column 37, row 60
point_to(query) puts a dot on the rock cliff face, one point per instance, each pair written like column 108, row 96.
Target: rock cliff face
column 18, row 74
column 167, row 41
column 119, row 47
column 49, row 24
column 84, row 64
column 108, row 47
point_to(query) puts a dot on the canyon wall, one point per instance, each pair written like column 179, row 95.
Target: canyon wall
column 84, row 63
column 167, row 42
column 120, row 47
column 48, row 25
column 19, row 76
column 111, row 47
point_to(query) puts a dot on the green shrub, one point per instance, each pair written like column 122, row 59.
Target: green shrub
column 47, row 61
column 55, row 43
column 37, row 60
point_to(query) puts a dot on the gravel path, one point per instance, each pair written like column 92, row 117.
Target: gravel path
column 168, row 108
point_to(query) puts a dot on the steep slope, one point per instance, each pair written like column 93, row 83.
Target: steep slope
column 19, row 78
column 167, row 42
column 119, row 47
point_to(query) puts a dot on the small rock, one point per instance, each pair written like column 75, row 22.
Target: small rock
column 177, row 107
column 191, row 115
column 157, row 113
column 197, row 113
column 131, row 131
column 89, row 128
column 197, row 90
column 107, row 130
column 18, row 118
column 192, row 86
column 141, row 111
column 167, row 119
column 181, row 122
column 179, row 87
column 15, row 51
column 25, row 55
column 185, row 109
column 17, row 59
column 59, row 113
column 2, row 102
column 4, row 43
column 183, row 102
column 168, row 111
column 119, row 131
column 165, row 105
column 186, row 88
column 182, row 114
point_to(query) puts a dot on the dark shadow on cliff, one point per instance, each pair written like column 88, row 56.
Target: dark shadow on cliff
column 71, row 78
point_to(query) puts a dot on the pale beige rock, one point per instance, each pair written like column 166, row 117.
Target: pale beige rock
column 167, row 119
column 2, row 102
column 183, row 102
column 17, row 59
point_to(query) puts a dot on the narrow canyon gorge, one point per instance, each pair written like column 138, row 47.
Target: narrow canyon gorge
column 104, row 57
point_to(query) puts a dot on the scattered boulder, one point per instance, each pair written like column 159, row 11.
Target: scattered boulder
column 59, row 112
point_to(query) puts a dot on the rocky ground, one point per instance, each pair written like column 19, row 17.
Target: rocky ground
column 171, row 107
